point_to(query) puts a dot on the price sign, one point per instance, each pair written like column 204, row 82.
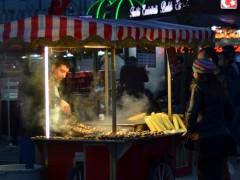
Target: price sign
column 146, row 59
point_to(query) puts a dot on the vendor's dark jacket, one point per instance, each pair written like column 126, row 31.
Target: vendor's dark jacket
column 207, row 115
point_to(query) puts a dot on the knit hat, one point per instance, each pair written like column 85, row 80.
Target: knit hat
column 203, row 65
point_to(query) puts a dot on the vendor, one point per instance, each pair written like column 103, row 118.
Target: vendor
column 32, row 97
column 58, row 72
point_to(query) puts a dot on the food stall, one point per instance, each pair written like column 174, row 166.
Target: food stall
column 134, row 149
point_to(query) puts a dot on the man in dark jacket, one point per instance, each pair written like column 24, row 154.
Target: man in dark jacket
column 132, row 77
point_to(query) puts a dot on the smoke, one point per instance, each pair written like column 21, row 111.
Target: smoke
column 131, row 106
column 31, row 98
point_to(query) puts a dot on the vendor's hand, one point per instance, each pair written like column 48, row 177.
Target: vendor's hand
column 70, row 121
column 65, row 107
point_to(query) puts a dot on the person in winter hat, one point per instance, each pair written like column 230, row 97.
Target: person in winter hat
column 207, row 113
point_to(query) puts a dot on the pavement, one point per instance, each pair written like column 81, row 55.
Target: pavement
column 233, row 166
column 9, row 154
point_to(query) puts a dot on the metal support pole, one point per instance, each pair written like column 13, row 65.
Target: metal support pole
column 106, row 82
column 114, row 115
column 169, row 83
column 8, row 108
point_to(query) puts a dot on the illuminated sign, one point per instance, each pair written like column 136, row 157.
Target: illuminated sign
column 219, row 49
column 228, row 4
column 154, row 9
column 149, row 11
column 144, row 11
column 227, row 33
column 166, row 7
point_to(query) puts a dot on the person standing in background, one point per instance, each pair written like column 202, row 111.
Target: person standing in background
column 232, row 78
column 237, row 60
column 210, row 53
column 132, row 78
column 232, row 58
column 208, row 110
column 233, row 88
column 180, row 86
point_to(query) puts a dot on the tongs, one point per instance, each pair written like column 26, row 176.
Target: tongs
column 74, row 114
column 72, row 118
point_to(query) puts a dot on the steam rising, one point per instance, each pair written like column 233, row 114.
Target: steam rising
column 131, row 106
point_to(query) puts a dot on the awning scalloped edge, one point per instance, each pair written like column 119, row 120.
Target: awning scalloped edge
column 97, row 40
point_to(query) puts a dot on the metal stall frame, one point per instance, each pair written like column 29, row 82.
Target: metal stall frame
column 47, row 30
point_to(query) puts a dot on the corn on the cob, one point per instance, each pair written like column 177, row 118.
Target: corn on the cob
column 149, row 123
column 165, row 118
column 175, row 121
column 137, row 117
column 181, row 116
column 158, row 122
column 180, row 122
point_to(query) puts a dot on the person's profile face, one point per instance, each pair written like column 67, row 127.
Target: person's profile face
column 221, row 61
column 200, row 55
column 59, row 73
column 195, row 74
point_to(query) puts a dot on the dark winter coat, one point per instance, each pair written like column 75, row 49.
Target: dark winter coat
column 206, row 118
column 133, row 78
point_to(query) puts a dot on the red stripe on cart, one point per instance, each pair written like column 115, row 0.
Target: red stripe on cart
column 200, row 35
column 166, row 35
column 138, row 33
column 180, row 35
column 194, row 35
column 152, row 34
column 107, row 31
column 63, row 27
column 6, row 32
column 174, row 35
column 129, row 31
column 20, row 30
column 92, row 28
column 187, row 35
column 145, row 32
column 35, row 27
column 160, row 34
column 49, row 27
column 120, row 33
column 78, row 29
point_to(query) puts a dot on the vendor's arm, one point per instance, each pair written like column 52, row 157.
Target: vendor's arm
column 65, row 107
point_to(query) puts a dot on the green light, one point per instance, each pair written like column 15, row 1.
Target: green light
column 89, row 9
column 117, row 10
column 131, row 3
column 120, row 3
column 139, row 2
column 142, row 2
column 111, row 2
column 99, row 8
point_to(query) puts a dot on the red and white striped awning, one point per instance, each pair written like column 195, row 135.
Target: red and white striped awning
column 53, row 28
